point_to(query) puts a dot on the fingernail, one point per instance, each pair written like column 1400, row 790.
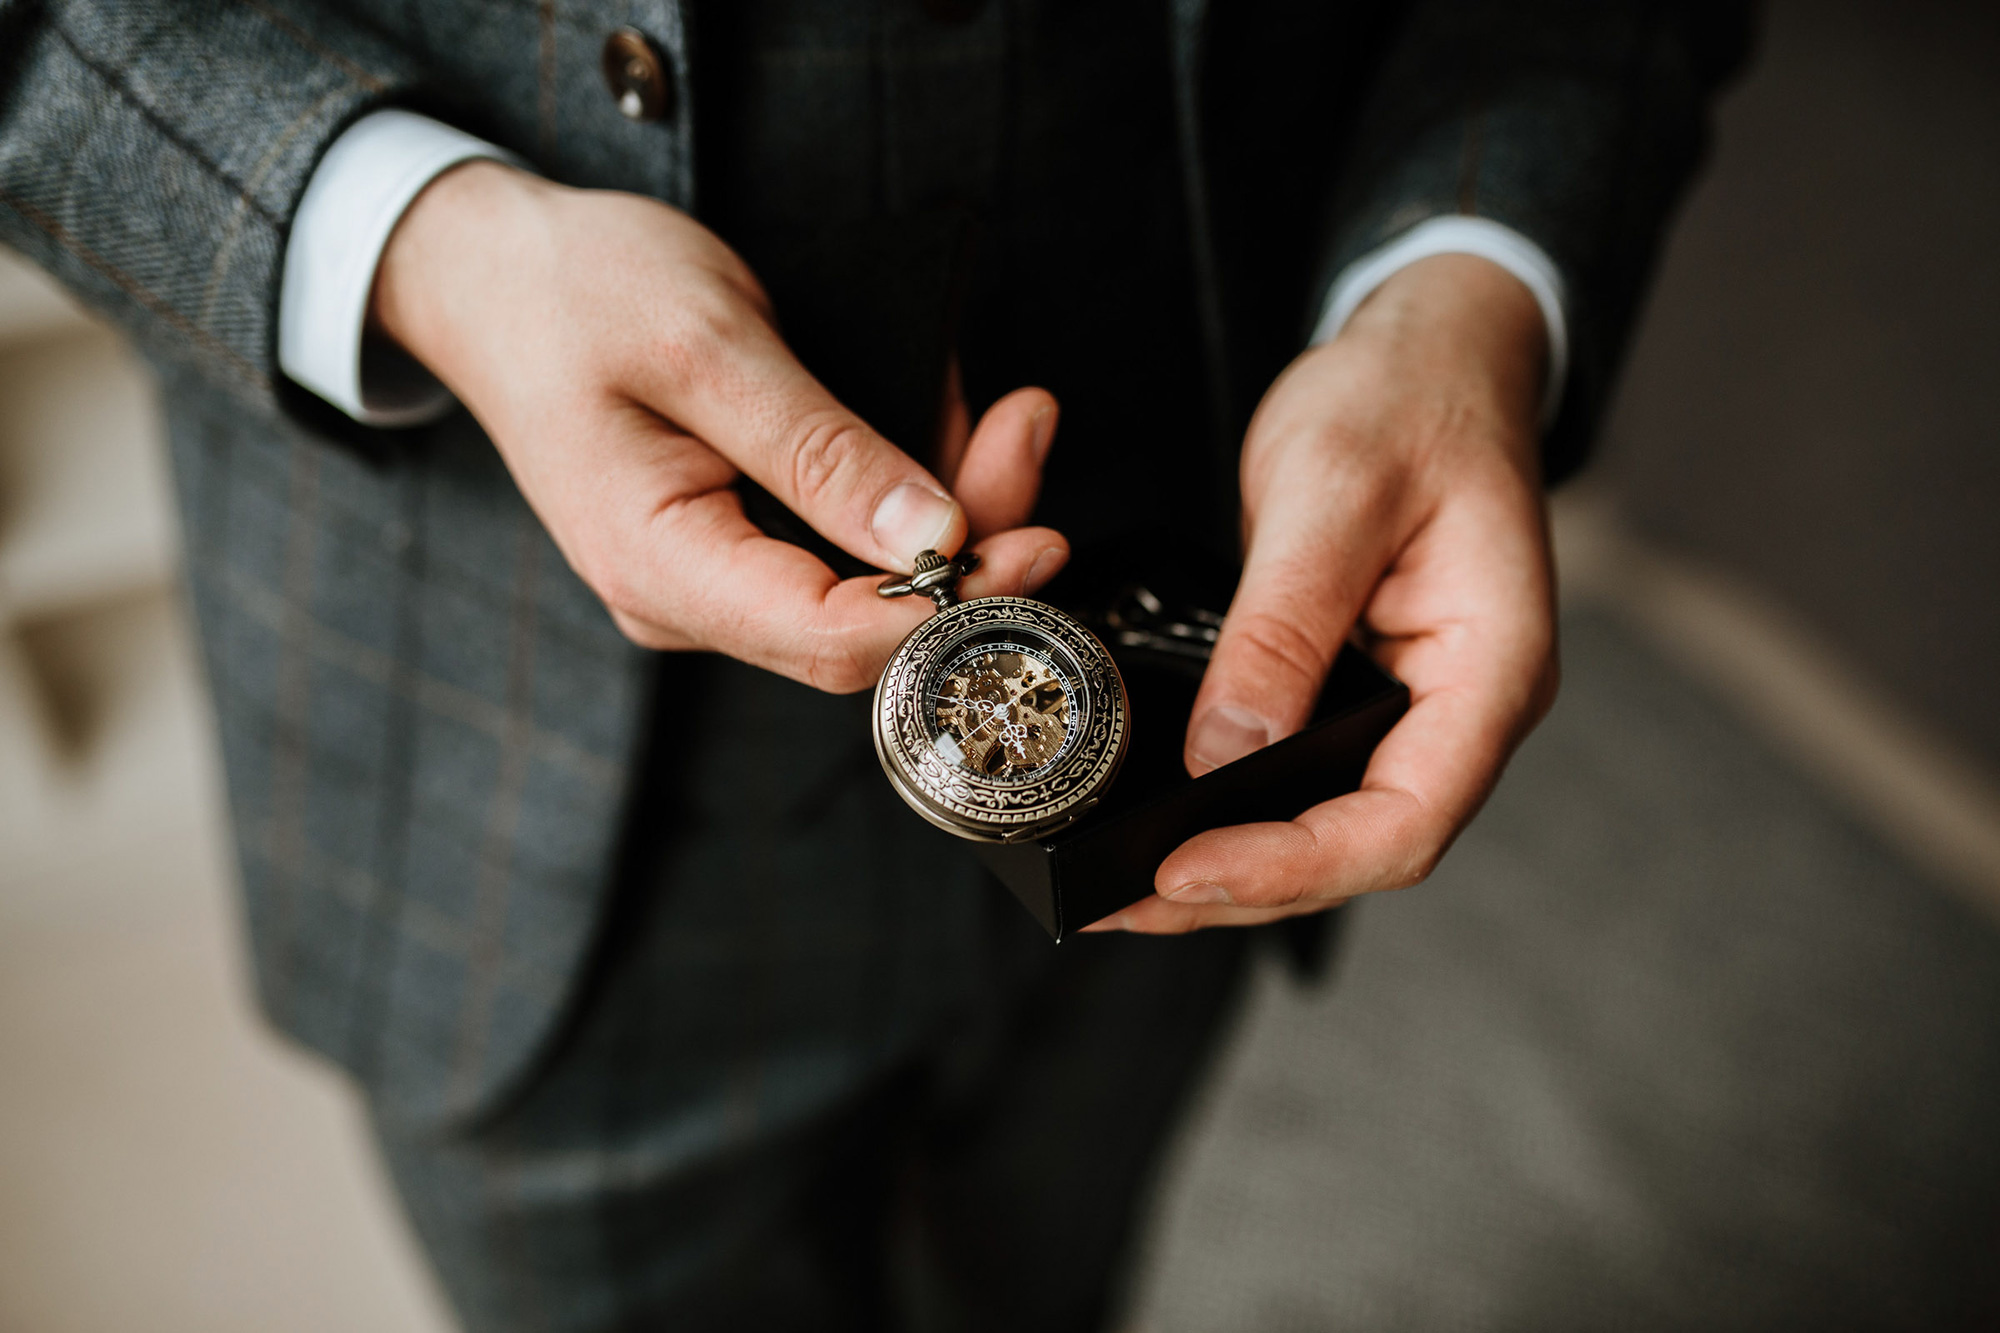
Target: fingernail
column 1045, row 567
column 1116, row 921
column 913, row 518
column 1043, row 431
column 1227, row 733
column 1201, row 891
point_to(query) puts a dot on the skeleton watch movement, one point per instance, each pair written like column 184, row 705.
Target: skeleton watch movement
column 999, row 718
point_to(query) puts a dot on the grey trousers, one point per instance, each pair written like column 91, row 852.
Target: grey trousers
column 824, row 1073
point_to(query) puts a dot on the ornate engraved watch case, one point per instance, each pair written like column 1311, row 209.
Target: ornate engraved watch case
column 1000, row 718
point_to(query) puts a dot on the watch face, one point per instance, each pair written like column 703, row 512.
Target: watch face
column 1004, row 708
column 1000, row 718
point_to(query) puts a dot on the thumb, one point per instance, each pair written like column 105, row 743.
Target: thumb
column 1000, row 472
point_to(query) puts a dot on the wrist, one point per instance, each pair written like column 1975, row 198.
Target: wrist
column 1465, row 320
column 431, row 275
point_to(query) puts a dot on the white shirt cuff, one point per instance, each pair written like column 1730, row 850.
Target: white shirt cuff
column 1458, row 234
column 356, row 196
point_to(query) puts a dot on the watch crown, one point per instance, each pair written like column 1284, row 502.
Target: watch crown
column 934, row 576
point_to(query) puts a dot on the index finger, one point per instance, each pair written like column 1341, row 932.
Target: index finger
column 733, row 383
column 700, row 574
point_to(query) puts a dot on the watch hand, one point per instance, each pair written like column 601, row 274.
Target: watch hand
column 991, row 718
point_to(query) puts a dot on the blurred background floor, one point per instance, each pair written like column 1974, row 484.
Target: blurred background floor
column 1698, row 1027
column 1669, row 1042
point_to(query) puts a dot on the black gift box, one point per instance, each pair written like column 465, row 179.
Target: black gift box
column 1106, row 859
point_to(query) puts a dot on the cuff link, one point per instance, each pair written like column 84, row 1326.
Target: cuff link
column 638, row 76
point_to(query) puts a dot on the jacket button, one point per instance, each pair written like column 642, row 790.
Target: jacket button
column 637, row 75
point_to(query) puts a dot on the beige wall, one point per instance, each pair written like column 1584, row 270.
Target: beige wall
column 1813, row 401
column 165, row 1164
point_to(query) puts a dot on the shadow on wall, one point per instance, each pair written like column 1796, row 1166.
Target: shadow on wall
column 87, row 559
column 1813, row 401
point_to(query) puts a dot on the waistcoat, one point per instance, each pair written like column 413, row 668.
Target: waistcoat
column 912, row 180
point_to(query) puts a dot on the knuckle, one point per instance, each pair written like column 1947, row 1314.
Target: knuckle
column 739, row 277
column 624, row 607
column 604, row 578
column 686, row 364
column 834, row 667
column 641, row 633
column 695, row 348
column 715, row 318
column 823, row 451
column 1419, row 866
column 631, row 609
column 1281, row 642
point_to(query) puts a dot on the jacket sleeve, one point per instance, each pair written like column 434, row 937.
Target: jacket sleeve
column 1577, row 123
column 152, row 153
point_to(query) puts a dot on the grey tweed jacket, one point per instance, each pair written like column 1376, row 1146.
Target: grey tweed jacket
column 429, row 725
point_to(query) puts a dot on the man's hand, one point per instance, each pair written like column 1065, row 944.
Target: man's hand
column 624, row 361
column 1390, row 482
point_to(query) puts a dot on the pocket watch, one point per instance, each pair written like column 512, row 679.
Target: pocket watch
column 999, row 718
